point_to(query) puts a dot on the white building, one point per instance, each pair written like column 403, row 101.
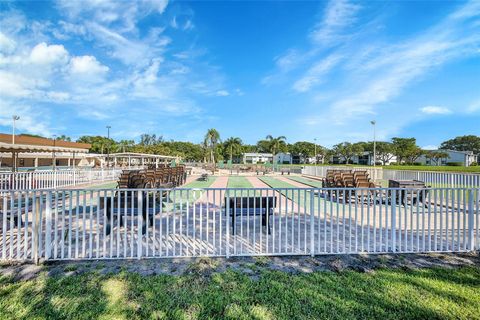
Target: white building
column 251, row 157
column 365, row 159
column 283, row 158
column 464, row 157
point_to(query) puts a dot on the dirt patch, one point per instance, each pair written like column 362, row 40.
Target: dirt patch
column 251, row 266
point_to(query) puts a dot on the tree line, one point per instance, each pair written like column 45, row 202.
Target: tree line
column 213, row 148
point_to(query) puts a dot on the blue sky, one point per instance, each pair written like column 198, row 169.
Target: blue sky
column 301, row 69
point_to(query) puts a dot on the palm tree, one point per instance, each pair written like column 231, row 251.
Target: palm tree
column 232, row 145
column 212, row 138
column 276, row 143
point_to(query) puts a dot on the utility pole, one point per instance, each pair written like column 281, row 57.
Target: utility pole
column 14, row 118
column 108, row 145
column 373, row 122
column 316, row 158
column 54, row 161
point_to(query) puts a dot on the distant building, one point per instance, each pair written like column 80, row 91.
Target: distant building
column 466, row 158
column 366, row 158
column 252, row 157
column 283, row 158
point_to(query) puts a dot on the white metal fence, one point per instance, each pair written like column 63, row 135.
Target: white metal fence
column 53, row 179
column 436, row 179
column 105, row 224
column 431, row 178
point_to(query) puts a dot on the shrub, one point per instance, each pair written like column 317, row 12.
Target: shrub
column 473, row 164
column 454, row 164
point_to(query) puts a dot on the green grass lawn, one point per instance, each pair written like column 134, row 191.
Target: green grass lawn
column 437, row 293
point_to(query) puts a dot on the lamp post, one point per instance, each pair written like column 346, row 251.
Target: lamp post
column 316, row 158
column 54, row 161
column 14, row 118
column 373, row 122
column 108, row 146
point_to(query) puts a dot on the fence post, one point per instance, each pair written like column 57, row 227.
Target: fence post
column 140, row 222
column 227, row 232
column 48, row 217
column 36, row 230
column 393, row 220
column 312, row 222
column 471, row 221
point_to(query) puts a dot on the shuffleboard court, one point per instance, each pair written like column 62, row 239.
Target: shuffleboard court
column 306, row 181
column 239, row 182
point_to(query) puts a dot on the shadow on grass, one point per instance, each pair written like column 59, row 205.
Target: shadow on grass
column 386, row 294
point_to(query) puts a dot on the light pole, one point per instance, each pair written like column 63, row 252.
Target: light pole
column 316, row 158
column 108, row 145
column 373, row 122
column 14, row 118
column 54, row 161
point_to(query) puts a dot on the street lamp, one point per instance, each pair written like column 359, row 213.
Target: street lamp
column 316, row 158
column 108, row 145
column 373, row 122
column 54, row 164
column 14, row 118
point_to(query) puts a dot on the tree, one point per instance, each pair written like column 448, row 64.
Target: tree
column 436, row 155
column 150, row 139
column 212, row 138
column 276, row 144
column 99, row 144
column 232, row 147
column 63, row 138
column 384, row 151
column 406, row 149
column 347, row 150
column 126, row 145
column 304, row 149
column 462, row 143
column 263, row 146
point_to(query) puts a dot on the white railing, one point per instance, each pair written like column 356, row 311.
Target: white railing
column 53, row 179
column 436, row 179
column 431, row 178
column 106, row 224
column 321, row 171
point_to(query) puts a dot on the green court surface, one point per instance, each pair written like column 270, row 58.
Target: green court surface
column 110, row 185
column 238, row 182
column 201, row 183
column 307, row 182
column 301, row 197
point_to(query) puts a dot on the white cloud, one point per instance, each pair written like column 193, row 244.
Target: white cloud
column 339, row 14
column 315, row 74
column 87, row 65
column 222, row 93
column 45, row 54
column 7, row 45
column 435, row 110
column 474, row 106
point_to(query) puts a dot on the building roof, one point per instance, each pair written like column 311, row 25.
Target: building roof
column 140, row 155
column 43, row 142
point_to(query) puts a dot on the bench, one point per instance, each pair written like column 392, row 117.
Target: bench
column 417, row 191
column 251, row 206
column 111, row 205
